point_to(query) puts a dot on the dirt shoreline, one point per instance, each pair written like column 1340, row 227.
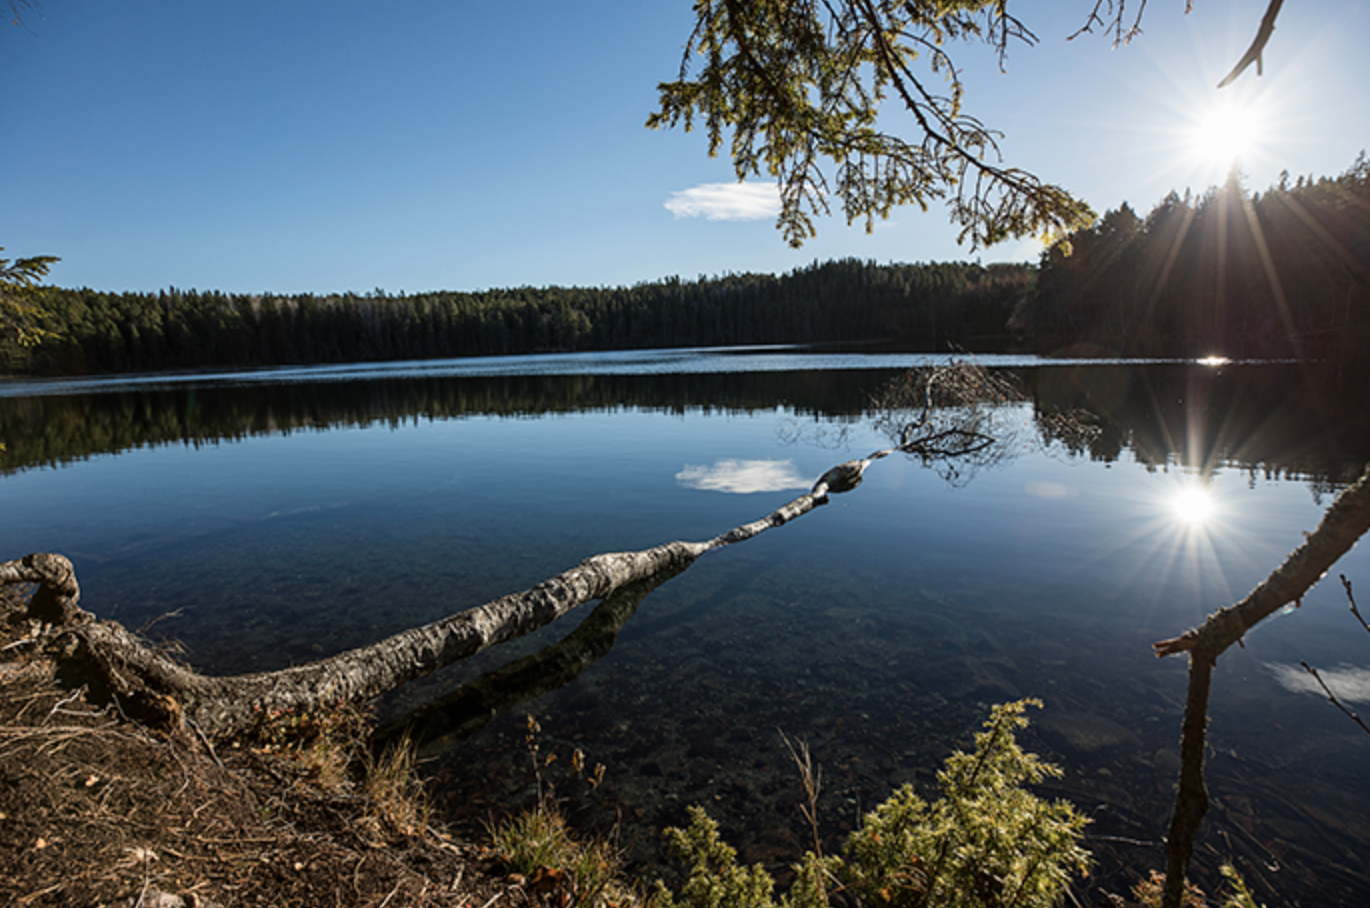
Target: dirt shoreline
column 98, row 811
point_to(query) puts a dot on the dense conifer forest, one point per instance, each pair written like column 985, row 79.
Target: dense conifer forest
column 916, row 306
column 1284, row 273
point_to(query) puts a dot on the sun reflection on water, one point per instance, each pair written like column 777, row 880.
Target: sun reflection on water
column 1193, row 505
column 1180, row 535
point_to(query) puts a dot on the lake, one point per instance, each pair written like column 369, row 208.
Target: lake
column 268, row 518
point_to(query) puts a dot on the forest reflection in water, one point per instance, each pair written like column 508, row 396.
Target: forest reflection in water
column 878, row 628
column 1279, row 418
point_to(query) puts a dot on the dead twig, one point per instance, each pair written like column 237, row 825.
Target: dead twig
column 75, row 695
column 811, row 778
column 22, row 641
column 205, row 741
column 32, row 896
column 1333, row 697
column 1346, row 585
column 391, row 895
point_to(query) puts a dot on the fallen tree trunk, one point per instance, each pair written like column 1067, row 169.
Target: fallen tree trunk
column 149, row 685
column 146, row 683
column 159, row 690
column 436, row 725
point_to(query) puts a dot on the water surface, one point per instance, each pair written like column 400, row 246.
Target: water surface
column 268, row 518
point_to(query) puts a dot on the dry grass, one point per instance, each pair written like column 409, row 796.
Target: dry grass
column 95, row 810
column 540, row 848
column 395, row 799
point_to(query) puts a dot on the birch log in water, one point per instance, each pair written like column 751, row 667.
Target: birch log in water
column 150, row 685
column 156, row 688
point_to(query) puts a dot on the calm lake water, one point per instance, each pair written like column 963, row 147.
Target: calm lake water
column 269, row 518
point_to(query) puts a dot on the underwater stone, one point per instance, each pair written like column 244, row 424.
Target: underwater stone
column 1083, row 734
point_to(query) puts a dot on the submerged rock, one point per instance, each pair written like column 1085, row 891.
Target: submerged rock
column 1080, row 735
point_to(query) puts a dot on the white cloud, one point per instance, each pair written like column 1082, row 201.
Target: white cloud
column 743, row 476
column 1349, row 683
column 1048, row 490
column 726, row 201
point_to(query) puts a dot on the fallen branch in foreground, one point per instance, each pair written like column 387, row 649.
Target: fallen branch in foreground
column 1344, row 523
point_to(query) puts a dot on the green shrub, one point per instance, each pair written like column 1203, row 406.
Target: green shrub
column 987, row 841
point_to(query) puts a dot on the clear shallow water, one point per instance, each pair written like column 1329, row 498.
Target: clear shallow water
column 878, row 628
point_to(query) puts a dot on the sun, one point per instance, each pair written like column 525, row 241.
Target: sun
column 1226, row 133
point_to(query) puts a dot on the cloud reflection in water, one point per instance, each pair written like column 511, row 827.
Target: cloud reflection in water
column 1350, row 683
column 743, row 476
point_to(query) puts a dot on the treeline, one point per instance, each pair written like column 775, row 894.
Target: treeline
column 919, row 307
column 1284, row 273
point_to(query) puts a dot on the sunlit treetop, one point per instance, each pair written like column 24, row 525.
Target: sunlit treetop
column 800, row 86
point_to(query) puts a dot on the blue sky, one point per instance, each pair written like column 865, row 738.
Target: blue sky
column 307, row 146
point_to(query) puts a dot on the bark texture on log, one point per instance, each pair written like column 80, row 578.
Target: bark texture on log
column 432, row 727
column 160, row 690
